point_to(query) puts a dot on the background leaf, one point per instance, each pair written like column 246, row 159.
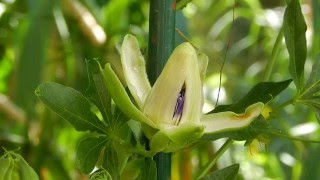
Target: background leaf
column 88, row 152
column 229, row 173
column 262, row 92
column 71, row 105
column 295, row 28
column 310, row 94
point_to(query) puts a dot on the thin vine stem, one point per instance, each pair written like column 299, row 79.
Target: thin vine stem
column 214, row 159
column 274, row 55
column 283, row 105
column 225, row 54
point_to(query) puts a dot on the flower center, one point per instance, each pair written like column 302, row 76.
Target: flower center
column 178, row 110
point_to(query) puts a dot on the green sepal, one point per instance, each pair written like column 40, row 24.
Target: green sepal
column 184, row 133
column 174, row 138
column 159, row 142
column 121, row 98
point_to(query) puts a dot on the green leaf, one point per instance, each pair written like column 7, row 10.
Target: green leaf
column 111, row 160
column 33, row 43
column 262, row 92
column 88, row 152
column 71, row 105
column 97, row 90
column 228, row 173
column 294, row 27
column 26, row 172
column 310, row 95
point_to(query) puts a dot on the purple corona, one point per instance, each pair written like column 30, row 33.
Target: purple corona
column 177, row 114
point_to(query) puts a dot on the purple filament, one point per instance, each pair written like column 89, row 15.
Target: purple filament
column 177, row 114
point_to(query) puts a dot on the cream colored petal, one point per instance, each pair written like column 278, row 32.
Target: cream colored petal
column 225, row 121
column 181, row 69
column 134, row 69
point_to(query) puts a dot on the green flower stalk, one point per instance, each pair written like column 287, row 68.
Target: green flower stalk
column 170, row 112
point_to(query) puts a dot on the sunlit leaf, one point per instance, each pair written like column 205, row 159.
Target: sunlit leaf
column 229, row 173
column 88, row 152
column 71, row 105
column 294, row 27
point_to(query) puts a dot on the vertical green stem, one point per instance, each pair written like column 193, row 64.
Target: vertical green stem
column 161, row 45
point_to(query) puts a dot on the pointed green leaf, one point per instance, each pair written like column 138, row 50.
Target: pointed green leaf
column 229, row 173
column 71, row 105
column 111, row 160
column 121, row 98
column 97, row 90
column 88, row 152
column 262, row 92
column 26, row 172
column 294, row 27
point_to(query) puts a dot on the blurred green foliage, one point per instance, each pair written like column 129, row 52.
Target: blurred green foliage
column 51, row 40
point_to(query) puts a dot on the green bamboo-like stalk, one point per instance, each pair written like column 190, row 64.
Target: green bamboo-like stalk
column 161, row 45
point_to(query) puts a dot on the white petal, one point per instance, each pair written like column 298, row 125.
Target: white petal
column 134, row 70
column 181, row 68
column 224, row 121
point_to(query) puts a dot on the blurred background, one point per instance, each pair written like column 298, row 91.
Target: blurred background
column 44, row 40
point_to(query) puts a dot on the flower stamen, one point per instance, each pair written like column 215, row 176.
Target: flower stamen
column 178, row 110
